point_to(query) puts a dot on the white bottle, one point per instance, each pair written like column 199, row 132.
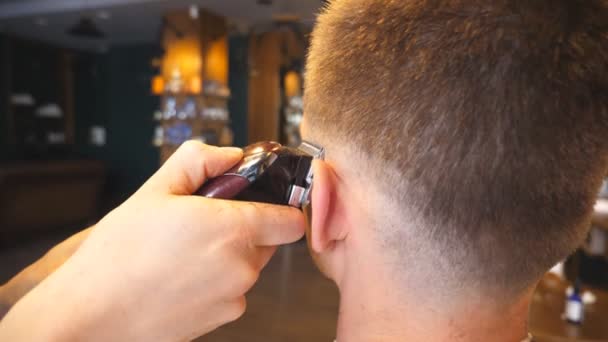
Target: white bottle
column 575, row 308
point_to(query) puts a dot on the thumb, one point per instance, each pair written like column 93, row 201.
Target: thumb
column 190, row 166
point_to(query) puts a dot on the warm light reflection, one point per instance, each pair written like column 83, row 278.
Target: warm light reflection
column 216, row 68
column 292, row 84
column 258, row 149
column 183, row 55
column 158, row 85
column 195, row 85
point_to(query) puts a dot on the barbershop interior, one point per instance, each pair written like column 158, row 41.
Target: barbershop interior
column 95, row 95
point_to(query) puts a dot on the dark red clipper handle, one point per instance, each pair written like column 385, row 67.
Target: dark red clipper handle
column 268, row 173
column 224, row 187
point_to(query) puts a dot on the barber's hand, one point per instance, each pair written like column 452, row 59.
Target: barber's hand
column 164, row 266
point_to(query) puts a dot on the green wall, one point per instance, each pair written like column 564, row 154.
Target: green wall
column 113, row 91
column 34, row 68
column 110, row 90
column 3, row 96
column 238, row 81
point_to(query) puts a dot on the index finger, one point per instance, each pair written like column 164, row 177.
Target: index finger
column 190, row 166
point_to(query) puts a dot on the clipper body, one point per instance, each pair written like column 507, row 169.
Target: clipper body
column 269, row 173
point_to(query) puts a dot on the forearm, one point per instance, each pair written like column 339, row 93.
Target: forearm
column 30, row 277
column 50, row 312
column 5, row 305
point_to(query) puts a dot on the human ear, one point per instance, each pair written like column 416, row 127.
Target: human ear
column 324, row 223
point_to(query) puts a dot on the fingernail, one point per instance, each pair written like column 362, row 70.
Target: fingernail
column 232, row 150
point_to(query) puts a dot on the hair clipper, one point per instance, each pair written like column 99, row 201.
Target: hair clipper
column 269, row 173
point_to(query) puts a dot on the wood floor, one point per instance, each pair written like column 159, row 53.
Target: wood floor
column 291, row 302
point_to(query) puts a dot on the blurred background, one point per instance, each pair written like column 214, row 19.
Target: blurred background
column 96, row 94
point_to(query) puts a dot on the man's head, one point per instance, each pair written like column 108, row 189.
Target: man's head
column 470, row 135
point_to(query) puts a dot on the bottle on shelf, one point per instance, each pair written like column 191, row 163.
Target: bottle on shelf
column 575, row 308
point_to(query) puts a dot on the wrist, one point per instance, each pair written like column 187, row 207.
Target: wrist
column 55, row 310
column 10, row 293
column 4, row 303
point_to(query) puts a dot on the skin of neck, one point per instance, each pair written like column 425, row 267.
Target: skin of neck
column 378, row 303
column 375, row 308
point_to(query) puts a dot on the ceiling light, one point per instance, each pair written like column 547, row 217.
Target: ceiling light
column 194, row 12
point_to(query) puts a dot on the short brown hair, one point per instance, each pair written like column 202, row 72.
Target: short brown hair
column 493, row 112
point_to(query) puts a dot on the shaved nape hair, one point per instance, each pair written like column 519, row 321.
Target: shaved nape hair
column 486, row 121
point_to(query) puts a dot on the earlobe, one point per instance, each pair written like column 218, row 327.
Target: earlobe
column 322, row 204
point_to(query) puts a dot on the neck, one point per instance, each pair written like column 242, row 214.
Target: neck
column 378, row 314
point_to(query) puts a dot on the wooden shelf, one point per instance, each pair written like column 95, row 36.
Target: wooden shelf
column 204, row 38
